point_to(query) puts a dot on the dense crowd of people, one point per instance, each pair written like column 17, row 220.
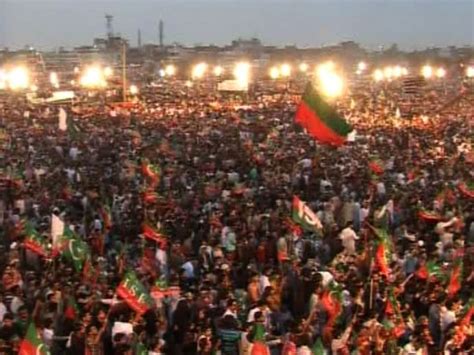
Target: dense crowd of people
column 228, row 269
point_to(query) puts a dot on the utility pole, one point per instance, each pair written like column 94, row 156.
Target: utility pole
column 124, row 71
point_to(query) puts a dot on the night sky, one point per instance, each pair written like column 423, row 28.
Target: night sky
column 49, row 24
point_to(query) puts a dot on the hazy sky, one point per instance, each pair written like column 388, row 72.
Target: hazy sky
column 410, row 23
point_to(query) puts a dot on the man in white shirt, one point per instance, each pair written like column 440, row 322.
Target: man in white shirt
column 348, row 237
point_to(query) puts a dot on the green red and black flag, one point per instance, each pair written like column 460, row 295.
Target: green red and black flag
column 152, row 172
column 71, row 310
column 134, row 293
column 467, row 189
column 35, row 241
column 304, row 216
column 377, row 166
column 429, row 216
column 331, row 300
column 382, row 251
column 106, row 215
column 429, row 270
column 150, row 196
column 456, row 276
column 320, row 120
column 32, row 344
column 259, row 346
column 151, row 233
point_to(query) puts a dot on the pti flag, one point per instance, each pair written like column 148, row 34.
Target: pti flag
column 321, row 120
column 134, row 293
column 304, row 216
column 32, row 344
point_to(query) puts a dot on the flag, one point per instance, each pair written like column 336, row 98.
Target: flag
column 456, row 275
column 382, row 251
column 32, row 344
column 88, row 273
column 304, row 216
column 150, row 196
column 331, row 302
column 62, row 124
column 74, row 249
column 429, row 216
column 57, row 230
column 106, row 216
column 466, row 189
column 151, row 233
column 429, row 270
column 71, row 310
column 151, row 171
column 321, row 120
column 376, row 166
column 35, row 242
column 134, row 293
column 318, row 348
column 259, row 347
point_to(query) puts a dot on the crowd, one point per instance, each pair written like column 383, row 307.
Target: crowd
column 189, row 195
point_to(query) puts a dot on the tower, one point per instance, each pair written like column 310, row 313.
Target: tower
column 161, row 32
column 139, row 38
column 109, row 25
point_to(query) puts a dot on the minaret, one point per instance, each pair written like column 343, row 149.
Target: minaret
column 161, row 32
column 139, row 38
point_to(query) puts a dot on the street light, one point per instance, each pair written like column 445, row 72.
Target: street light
column 303, row 67
column 427, row 71
column 133, row 89
column 18, row 78
column 470, row 72
column 285, row 70
column 218, row 70
column 440, row 73
column 199, row 70
column 242, row 73
column 378, row 75
column 361, row 66
column 170, row 70
column 331, row 84
column 274, row 73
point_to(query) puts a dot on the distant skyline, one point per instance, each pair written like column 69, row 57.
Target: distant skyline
column 412, row 24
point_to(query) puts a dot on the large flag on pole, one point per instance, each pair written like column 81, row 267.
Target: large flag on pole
column 321, row 120
column 304, row 216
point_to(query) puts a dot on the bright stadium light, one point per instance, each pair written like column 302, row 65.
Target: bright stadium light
column 397, row 71
column 53, row 79
column 285, row 70
column 199, row 70
column 93, row 77
column 170, row 70
column 33, row 88
column 388, row 72
column 361, row 66
column 133, row 90
column 242, row 73
column 331, row 84
column 3, row 80
column 440, row 73
column 378, row 75
column 274, row 73
column 404, row 71
column 218, row 70
column 427, row 71
column 108, row 72
column 303, row 67
column 324, row 68
column 18, row 78
column 470, row 72
column 162, row 73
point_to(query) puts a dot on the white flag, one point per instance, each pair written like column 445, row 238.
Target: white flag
column 62, row 120
column 57, row 229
